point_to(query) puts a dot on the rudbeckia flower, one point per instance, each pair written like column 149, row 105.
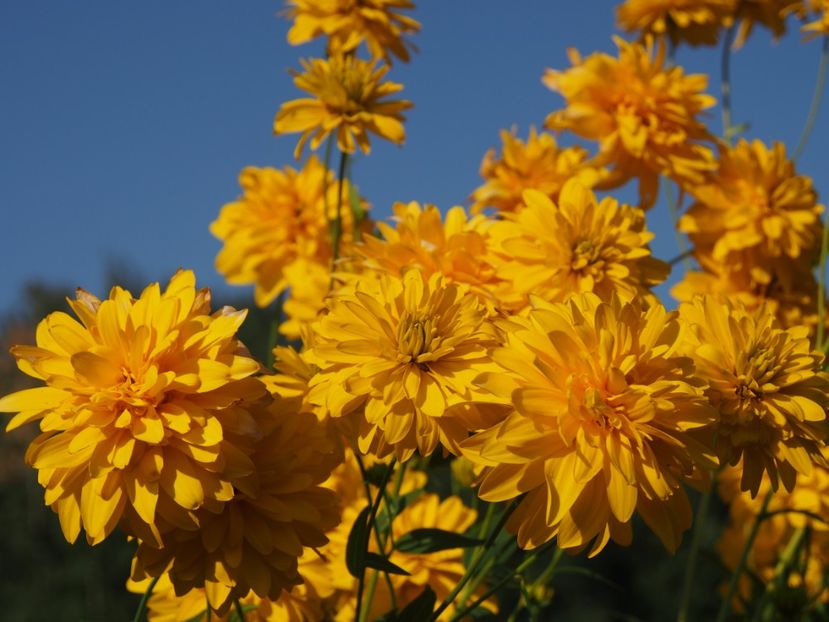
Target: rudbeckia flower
column 697, row 22
column 643, row 113
column 579, row 244
column 348, row 102
column 766, row 383
column 348, row 23
column 754, row 211
column 538, row 164
column 135, row 412
column 402, row 354
column 279, row 226
column 609, row 420
column 253, row 542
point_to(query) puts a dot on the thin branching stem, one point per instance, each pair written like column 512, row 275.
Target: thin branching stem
column 725, row 83
column 693, row 554
column 820, row 82
column 141, row 614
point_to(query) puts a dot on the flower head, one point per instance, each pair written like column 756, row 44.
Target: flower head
column 253, row 542
column 402, row 354
column 539, row 164
column 348, row 23
column 755, row 211
column 577, row 245
column 819, row 26
column 279, row 226
column 137, row 406
column 349, row 101
column 697, row 22
column 456, row 247
column 768, row 13
column 609, row 419
column 643, row 114
column 766, row 384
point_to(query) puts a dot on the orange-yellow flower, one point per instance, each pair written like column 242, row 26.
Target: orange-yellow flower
column 643, row 114
column 539, row 164
column 402, row 354
column 279, row 226
column 135, row 410
column 348, row 23
column 818, row 12
column 766, row 384
column 578, row 245
column 349, row 102
column 768, row 13
column 253, row 541
column 697, row 22
column 754, row 211
column 456, row 247
column 609, row 419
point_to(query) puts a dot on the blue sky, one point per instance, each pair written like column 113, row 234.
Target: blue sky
column 124, row 124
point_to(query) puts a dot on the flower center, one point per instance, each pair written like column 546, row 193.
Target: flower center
column 416, row 335
column 584, row 253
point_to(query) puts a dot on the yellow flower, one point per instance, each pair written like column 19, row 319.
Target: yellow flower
column 253, row 542
column 820, row 25
column 134, row 412
column 643, row 114
column 791, row 294
column 697, row 22
column 402, row 353
column 811, row 494
column 768, row 13
column 348, row 102
column 539, row 164
column 347, row 23
column 456, row 247
column 309, row 283
column 579, row 245
column 609, row 419
column 280, row 225
column 766, row 384
column 755, row 211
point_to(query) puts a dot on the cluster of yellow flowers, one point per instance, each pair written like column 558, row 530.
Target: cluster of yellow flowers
column 522, row 336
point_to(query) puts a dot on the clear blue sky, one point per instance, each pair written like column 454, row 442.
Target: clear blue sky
column 124, row 124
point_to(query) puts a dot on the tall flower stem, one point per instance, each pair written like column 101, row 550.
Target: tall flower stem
column 239, row 611
column 820, row 82
column 784, row 564
column 725, row 607
column 141, row 614
column 337, row 229
column 693, row 553
column 479, row 551
column 473, row 568
column 821, row 288
column 725, row 83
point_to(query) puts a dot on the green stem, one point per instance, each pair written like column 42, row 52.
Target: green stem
column 474, row 567
column 529, row 561
column 781, row 569
column 372, row 587
column 820, row 81
column 337, row 232
column 480, row 550
column 681, row 242
column 141, row 614
column 239, row 611
column 821, row 285
column 693, row 553
column 725, row 83
column 725, row 607
column 273, row 334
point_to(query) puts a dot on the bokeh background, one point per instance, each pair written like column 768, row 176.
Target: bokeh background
column 124, row 126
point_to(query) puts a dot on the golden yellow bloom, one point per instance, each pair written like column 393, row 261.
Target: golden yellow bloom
column 578, row 245
column 791, row 293
column 768, row 13
column 253, row 541
column 697, row 22
column 279, row 226
column 456, row 247
column 820, row 24
column 643, row 113
column 134, row 411
column 609, row 419
column 755, row 211
column 347, row 23
column 811, row 494
column 539, row 164
column 348, row 102
column 402, row 353
column 766, row 384
column 309, row 283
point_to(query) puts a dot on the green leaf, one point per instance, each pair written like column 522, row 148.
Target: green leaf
column 378, row 562
column 420, row 608
column 429, row 540
column 355, row 548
